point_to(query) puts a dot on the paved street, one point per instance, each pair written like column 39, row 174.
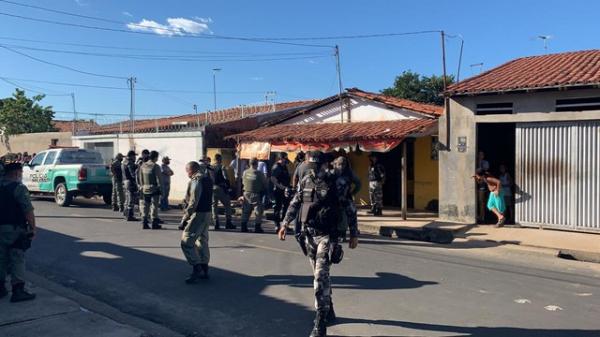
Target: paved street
column 263, row 287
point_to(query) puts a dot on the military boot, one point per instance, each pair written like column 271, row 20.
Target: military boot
column 372, row 210
column 229, row 225
column 196, row 275
column 115, row 208
column 3, row 291
column 19, row 294
column 331, row 317
column 155, row 224
column 217, row 224
column 258, row 228
column 145, row 224
column 204, row 275
column 320, row 328
column 244, row 227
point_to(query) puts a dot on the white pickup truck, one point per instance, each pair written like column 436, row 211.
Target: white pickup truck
column 67, row 173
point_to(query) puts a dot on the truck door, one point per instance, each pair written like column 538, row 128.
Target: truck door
column 31, row 175
column 45, row 172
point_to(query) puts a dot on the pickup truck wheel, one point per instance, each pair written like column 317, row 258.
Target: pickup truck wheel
column 107, row 198
column 62, row 196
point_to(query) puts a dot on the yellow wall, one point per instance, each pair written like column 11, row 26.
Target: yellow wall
column 426, row 173
column 360, row 165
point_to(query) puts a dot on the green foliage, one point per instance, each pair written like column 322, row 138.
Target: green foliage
column 20, row 114
column 418, row 88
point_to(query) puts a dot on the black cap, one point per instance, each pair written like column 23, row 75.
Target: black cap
column 283, row 155
column 145, row 152
column 131, row 153
column 12, row 167
column 316, row 156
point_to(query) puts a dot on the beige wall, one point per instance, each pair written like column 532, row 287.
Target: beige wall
column 34, row 142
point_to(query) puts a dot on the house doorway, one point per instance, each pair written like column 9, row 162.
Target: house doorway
column 392, row 189
column 497, row 141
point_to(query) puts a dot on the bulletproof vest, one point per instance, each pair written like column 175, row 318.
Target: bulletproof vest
column 10, row 210
column 251, row 181
column 116, row 170
column 129, row 169
column 375, row 173
column 205, row 199
column 218, row 173
column 320, row 206
column 149, row 180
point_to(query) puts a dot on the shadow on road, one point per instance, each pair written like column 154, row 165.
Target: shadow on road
column 478, row 331
column 382, row 281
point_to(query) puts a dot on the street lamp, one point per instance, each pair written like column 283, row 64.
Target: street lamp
column 215, row 70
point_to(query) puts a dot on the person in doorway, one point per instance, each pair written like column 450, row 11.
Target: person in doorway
column 495, row 201
column 118, row 194
column 483, row 165
column 167, row 173
column 376, row 181
column 255, row 185
column 195, row 221
column 221, row 194
column 17, row 230
column 507, row 188
column 129, row 169
column 280, row 178
column 151, row 184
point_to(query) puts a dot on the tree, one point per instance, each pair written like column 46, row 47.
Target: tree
column 418, row 88
column 20, row 114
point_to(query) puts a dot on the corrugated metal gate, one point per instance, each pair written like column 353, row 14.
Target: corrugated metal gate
column 558, row 175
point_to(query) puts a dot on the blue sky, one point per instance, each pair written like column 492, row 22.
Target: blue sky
column 494, row 32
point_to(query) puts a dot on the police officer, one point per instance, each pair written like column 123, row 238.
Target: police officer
column 221, row 193
column 17, row 229
column 255, row 185
column 195, row 221
column 280, row 178
column 376, row 180
column 318, row 202
column 348, row 185
column 150, row 182
column 167, row 173
column 129, row 169
column 118, row 195
column 144, row 158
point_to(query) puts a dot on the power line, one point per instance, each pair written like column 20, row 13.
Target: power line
column 198, row 36
column 164, row 57
column 60, row 65
column 350, row 37
column 181, row 91
column 29, row 89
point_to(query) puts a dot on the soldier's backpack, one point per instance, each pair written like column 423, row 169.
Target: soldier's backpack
column 320, row 205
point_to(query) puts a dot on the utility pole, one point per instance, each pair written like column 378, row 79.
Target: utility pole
column 339, row 75
column 131, row 81
column 215, row 70
column 446, row 105
column 74, row 114
column 197, row 117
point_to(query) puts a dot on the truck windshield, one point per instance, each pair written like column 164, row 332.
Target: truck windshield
column 80, row 157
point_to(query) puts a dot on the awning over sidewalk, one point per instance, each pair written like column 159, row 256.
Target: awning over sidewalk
column 368, row 136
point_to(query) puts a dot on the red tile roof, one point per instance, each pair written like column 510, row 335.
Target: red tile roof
column 67, row 126
column 220, row 116
column 428, row 109
column 579, row 68
column 337, row 132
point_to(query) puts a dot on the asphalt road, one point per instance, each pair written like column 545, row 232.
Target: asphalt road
column 263, row 287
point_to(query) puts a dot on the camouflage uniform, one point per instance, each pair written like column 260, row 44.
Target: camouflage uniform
column 376, row 178
column 319, row 244
column 131, row 189
column 197, row 218
column 150, row 181
column 12, row 260
column 118, row 195
column 255, row 185
column 221, row 194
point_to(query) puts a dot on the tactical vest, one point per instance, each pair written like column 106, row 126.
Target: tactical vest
column 375, row 173
column 219, row 178
column 205, row 199
column 10, row 210
column 149, row 179
column 320, row 207
column 252, row 182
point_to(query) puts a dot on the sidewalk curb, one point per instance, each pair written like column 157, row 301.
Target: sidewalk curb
column 150, row 329
column 579, row 255
column 432, row 232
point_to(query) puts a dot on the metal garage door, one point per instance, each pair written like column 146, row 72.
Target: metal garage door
column 557, row 175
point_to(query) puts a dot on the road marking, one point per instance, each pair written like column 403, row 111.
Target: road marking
column 583, row 294
column 105, row 220
column 484, row 291
column 522, row 301
column 553, row 308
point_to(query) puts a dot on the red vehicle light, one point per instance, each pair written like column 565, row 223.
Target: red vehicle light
column 82, row 174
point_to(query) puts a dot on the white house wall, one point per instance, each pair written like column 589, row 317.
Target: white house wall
column 181, row 147
column 361, row 111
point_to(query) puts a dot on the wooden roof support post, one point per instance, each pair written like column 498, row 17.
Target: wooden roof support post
column 404, row 179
